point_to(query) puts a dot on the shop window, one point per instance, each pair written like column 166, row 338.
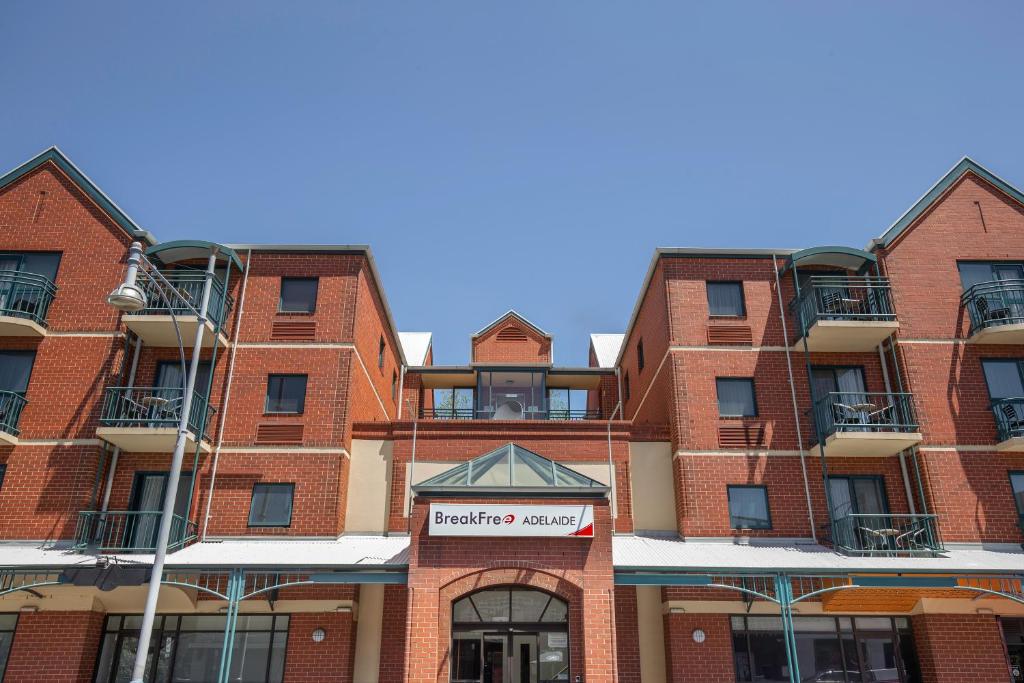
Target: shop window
column 298, row 294
column 271, row 505
column 736, row 397
column 748, row 507
column 725, row 299
column 286, row 394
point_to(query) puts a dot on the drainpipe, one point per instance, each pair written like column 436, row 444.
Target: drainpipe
column 412, row 467
column 227, row 391
column 611, row 467
column 117, row 449
column 902, row 455
column 401, row 390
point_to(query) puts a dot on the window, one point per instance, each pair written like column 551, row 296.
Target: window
column 3, row 475
column 511, row 395
column 1005, row 379
column 394, row 385
column 286, row 394
column 736, row 397
column 190, row 647
column 298, row 294
column 43, row 263
column 453, row 402
column 8, row 622
column 1016, row 483
column 976, row 272
column 625, row 385
column 380, row 352
column 847, row 381
column 726, row 299
column 640, row 355
column 271, row 505
column 15, row 369
column 748, row 507
column 567, row 404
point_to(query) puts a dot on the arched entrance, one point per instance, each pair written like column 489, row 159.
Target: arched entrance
column 510, row 635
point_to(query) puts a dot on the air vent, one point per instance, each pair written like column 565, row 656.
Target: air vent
column 277, row 433
column 730, row 334
column 749, row 435
column 511, row 334
column 293, row 330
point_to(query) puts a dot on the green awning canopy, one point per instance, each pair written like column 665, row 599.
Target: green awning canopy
column 189, row 250
column 847, row 258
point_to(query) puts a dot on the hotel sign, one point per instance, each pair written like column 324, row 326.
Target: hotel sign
column 511, row 520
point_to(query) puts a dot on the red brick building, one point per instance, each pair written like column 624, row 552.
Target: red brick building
column 790, row 466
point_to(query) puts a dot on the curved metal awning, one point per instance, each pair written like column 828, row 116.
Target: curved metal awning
column 188, row 250
column 847, row 258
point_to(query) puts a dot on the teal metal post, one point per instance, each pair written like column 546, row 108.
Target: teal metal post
column 236, row 589
column 784, row 594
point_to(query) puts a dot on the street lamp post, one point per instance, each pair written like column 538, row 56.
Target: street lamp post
column 130, row 297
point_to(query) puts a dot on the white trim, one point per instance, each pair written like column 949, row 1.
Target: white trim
column 742, row 453
column 60, row 442
column 287, row 449
column 114, row 335
column 966, row 448
column 295, row 345
column 727, row 348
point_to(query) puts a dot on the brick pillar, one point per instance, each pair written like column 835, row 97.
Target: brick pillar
column 953, row 648
column 707, row 662
column 57, row 647
column 393, row 635
column 332, row 659
column 627, row 634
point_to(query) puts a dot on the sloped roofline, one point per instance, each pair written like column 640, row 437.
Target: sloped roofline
column 510, row 312
column 55, row 156
column 965, row 165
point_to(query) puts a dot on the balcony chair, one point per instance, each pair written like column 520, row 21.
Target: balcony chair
column 1014, row 424
column 986, row 314
column 911, row 539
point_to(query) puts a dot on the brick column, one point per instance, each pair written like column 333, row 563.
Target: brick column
column 953, row 648
column 707, row 662
column 332, row 659
column 627, row 634
column 57, row 647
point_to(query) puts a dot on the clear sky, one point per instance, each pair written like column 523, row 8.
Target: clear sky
column 526, row 155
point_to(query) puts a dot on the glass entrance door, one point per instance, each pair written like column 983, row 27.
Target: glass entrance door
column 495, row 656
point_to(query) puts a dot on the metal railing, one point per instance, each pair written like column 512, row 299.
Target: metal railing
column 475, row 414
column 829, row 297
column 128, row 531
column 844, row 411
column 886, row 534
column 1009, row 414
column 991, row 304
column 11, row 405
column 187, row 286
column 154, row 407
column 26, row 295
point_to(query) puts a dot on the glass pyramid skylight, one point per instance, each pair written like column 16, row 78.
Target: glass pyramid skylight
column 511, row 466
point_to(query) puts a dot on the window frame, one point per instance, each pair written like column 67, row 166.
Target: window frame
column 381, row 348
column 640, row 356
column 767, row 506
column 28, row 353
column 280, row 295
column 252, row 502
column 302, row 403
column 3, row 476
column 1019, row 362
column 625, row 385
column 753, row 396
column 743, row 298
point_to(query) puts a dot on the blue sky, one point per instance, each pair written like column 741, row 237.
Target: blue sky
column 526, row 155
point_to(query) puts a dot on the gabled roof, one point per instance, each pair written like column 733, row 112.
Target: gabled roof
column 606, row 348
column 505, row 316
column 512, row 470
column 56, row 157
column 965, row 165
column 416, row 346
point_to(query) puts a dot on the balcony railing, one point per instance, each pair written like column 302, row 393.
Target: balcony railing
column 128, row 531
column 26, row 295
column 864, row 298
column 186, row 290
column 476, row 414
column 154, row 407
column 868, row 412
column 886, row 535
column 992, row 304
column 1009, row 414
column 11, row 405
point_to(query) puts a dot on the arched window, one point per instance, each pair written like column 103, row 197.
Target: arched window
column 510, row 606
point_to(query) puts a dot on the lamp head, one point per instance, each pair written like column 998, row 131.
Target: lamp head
column 127, row 297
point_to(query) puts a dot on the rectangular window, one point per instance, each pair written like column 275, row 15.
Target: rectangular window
column 3, row 475
column 380, row 352
column 43, row 263
column 453, row 402
column 15, row 369
column 298, row 294
column 511, row 394
column 726, row 299
column 271, row 505
column 640, row 355
column 8, row 623
column 286, row 394
column 748, row 507
column 976, row 272
column 1005, row 378
column 394, row 386
column 625, row 385
column 736, row 397
column 1017, row 484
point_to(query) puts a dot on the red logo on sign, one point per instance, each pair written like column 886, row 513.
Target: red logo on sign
column 508, row 519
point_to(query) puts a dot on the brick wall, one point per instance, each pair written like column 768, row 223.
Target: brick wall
column 331, row 660
column 627, row 635
column 687, row 661
column 511, row 341
column 70, row 641
column 953, row 648
column 393, row 635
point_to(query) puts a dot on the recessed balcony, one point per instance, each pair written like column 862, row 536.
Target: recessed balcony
column 996, row 311
column 11, row 405
column 170, row 314
column 866, row 424
column 510, row 414
column 1009, row 415
column 25, row 300
column 128, row 531
column 838, row 313
column 145, row 419
column 886, row 535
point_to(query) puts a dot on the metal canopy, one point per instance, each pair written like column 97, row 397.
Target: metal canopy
column 189, row 250
column 846, row 258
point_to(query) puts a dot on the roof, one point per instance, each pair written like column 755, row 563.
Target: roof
column 416, row 345
column 965, row 165
column 186, row 250
column 504, row 316
column 838, row 257
column 606, row 348
column 85, row 184
column 659, row 553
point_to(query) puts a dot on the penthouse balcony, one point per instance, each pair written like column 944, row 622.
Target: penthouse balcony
column 11, row 405
column 128, row 531
column 25, row 300
column 886, row 534
column 1009, row 415
column 175, row 298
column 511, row 413
column 866, row 424
column 145, row 419
column 840, row 313
column 996, row 311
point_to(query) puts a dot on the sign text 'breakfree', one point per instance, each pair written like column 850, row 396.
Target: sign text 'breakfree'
column 511, row 520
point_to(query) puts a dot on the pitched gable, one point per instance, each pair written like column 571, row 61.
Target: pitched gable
column 511, row 339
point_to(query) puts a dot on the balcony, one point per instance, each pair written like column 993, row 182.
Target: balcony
column 886, row 535
column 11, row 405
column 25, row 299
column 128, row 531
column 996, row 311
column 145, row 419
column 844, row 313
column 181, row 296
column 490, row 414
column 862, row 424
column 1009, row 414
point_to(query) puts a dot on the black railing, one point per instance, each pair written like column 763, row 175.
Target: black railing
column 26, row 295
column 863, row 298
column 128, row 531
column 11, row 405
column 185, row 295
column 844, row 411
column 1009, row 414
column 474, row 414
column 154, row 407
column 886, row 534
column 992, row 304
